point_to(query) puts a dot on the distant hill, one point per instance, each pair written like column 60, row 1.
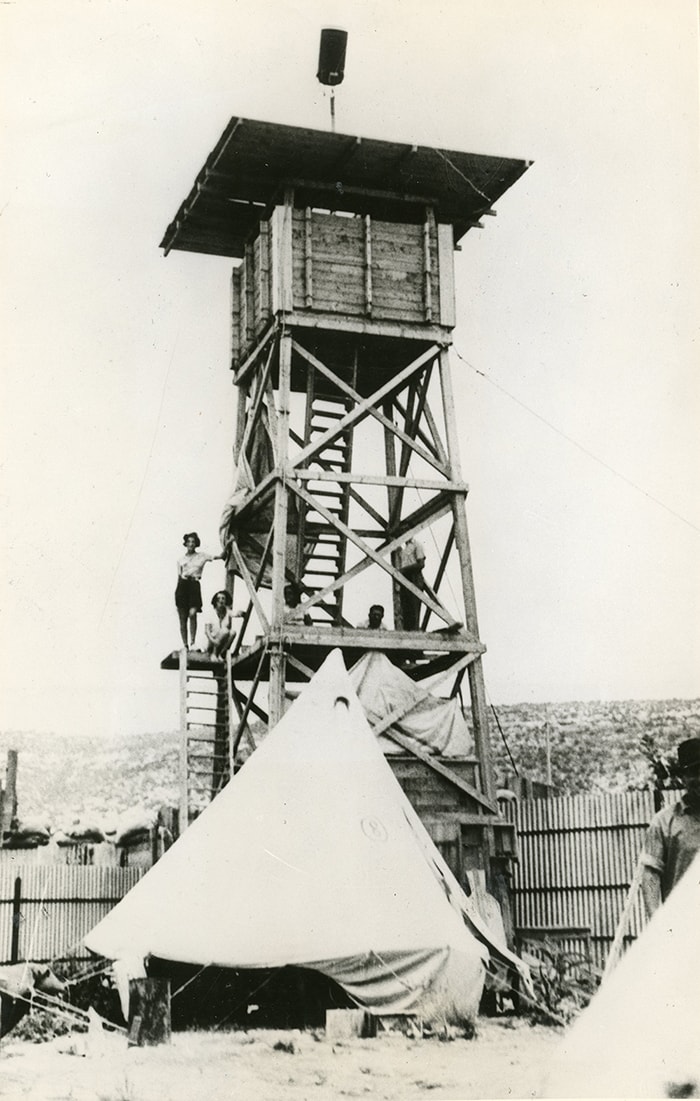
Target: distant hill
column 595, row 746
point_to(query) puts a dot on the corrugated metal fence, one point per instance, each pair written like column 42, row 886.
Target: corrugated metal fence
column 45, row 911
column 577, row 859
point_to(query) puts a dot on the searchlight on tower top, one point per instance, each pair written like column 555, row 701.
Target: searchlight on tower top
column 331, row 62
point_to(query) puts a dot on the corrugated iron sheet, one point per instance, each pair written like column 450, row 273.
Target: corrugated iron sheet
column 59, row 904
column 577, row 857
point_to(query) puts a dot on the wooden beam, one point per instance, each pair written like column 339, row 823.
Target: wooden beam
column 308, row 260
column 262, row 715
column 299, row 665
column 248, row 706
column 368, row 326
column 411, row 419
column 435, row 433
column 410, row 527
column 248, row 364
column 256, row 585
column 449, row 542
column 374, row 193
column 366, row 407
column 475, row 672
column 442, row 666
column 329, row 637
column 368, row 264
column 330, row 475
column 442, row 770
column 258, row 394
column 391, row 495
column 183, row 769
column 428, row 229
column 273, row 421
column 249, row 584
column 241, row 404
column 279, row 542
column 373, row 555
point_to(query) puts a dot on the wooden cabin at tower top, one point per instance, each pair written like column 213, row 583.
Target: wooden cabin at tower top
column 333, row 265
column 335, row 232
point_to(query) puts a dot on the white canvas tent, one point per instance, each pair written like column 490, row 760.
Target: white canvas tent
column 640, row 1036
column 311, row 856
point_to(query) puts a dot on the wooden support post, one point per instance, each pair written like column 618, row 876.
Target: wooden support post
column 308, row 260
column 220, row 773
column 9, row 802
column 149, row 1012
column 241, row 408
column 184, row 799
column 16, row 920
column 392, row 494
column 475, row 671
column 279, row 543
column 368, row 265
column 428, row 230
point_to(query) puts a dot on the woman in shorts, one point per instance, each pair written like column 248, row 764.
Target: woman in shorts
column 188, row 594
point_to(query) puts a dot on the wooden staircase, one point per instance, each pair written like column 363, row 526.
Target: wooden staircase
column 324, row 546
column 205, row 734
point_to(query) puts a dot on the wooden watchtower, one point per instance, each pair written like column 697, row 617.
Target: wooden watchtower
column 347, row 438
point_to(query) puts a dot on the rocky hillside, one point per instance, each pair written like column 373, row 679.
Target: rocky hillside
column 596, row 746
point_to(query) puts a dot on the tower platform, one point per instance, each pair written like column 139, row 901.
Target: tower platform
column 418, row 654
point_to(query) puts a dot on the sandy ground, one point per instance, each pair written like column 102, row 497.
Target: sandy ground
column 507, row 1058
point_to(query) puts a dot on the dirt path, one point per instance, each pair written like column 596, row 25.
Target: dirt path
column 507, row 1059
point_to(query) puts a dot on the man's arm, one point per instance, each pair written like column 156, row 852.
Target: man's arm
column 651, row 889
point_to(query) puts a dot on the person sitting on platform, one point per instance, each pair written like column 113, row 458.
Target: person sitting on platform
column 219, row 627
column 188, row 594
column 374, row 619
column 293, row 609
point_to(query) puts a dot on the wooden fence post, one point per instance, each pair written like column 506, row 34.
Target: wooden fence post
column 16, row 919
column 149, row 1012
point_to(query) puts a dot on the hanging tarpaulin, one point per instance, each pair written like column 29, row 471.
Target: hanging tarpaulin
column 251, row 529
column 429, row 722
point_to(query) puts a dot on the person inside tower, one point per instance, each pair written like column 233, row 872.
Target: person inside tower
column 411, row 560
column 188, row 593
column 293, row 609
column 374, row 619
column 219, row 626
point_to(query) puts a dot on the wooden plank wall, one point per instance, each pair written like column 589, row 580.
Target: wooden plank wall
column 59, row 904
column 339, row 257
column 577, row 857
column 350, row 266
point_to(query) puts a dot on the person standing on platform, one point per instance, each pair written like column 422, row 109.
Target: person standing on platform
column 673, row 837
column 188, row 593
column 411, row 562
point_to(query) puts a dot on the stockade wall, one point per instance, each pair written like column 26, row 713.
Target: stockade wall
column 55, row 906
column 577, row 858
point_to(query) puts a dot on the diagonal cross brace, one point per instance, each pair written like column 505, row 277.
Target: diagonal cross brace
column 365, row 407
column 372, row 555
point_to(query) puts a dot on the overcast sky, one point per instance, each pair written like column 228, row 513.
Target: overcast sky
column 578, row 302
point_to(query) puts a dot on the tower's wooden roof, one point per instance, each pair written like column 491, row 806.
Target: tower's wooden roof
column 253, row 162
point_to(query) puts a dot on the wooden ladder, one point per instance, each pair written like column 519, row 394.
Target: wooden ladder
column 324, row 560
column 205, row 737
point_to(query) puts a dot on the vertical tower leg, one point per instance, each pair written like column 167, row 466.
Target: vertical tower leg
column 475, row 671
column 184, row 769
column 279, row 545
